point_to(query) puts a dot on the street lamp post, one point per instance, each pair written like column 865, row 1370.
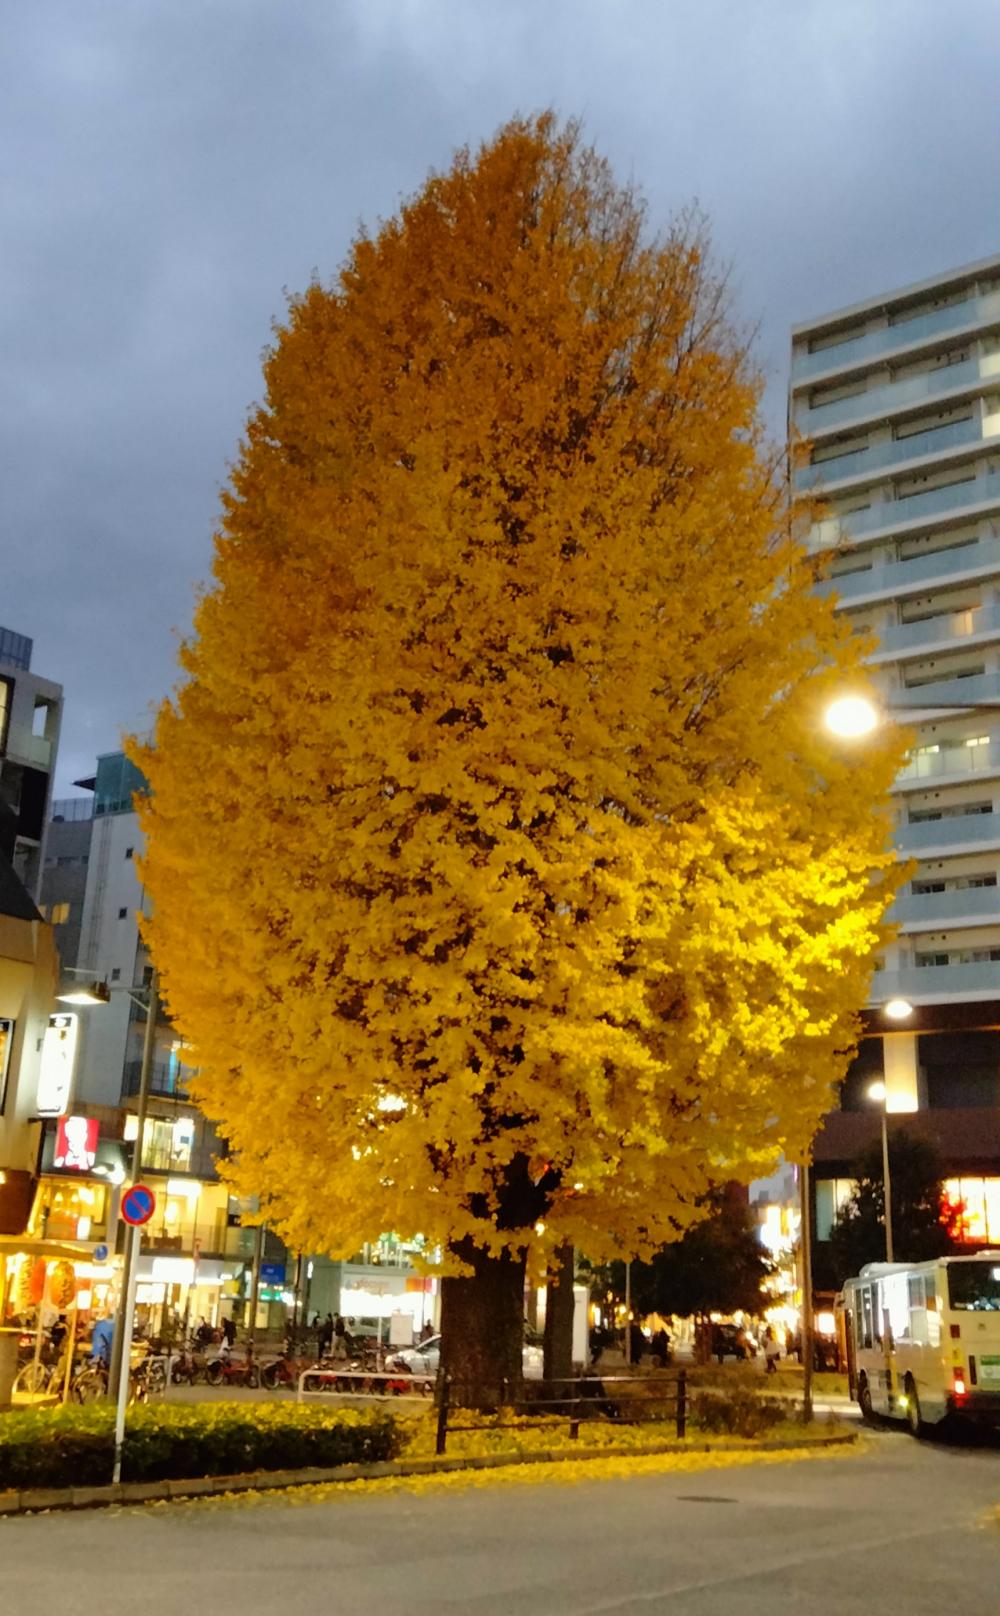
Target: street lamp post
column 877, row 1091
column 806, row 1330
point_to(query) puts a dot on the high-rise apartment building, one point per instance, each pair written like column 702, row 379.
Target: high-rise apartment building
column 898, row 399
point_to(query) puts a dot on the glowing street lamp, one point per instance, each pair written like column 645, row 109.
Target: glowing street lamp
column 897, row 1009
column 851, row 717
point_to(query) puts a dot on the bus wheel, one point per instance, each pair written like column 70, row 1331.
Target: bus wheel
column 865, row 1401
column 914, row 1419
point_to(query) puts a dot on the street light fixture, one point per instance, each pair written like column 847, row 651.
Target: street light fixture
column 92, row 993
column 877, row 1091
column 851, row 717
column 898, row 1009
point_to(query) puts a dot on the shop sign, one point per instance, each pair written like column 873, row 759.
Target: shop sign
column 76, row 1143
column 272, row 1273
column 55, row 1073
column 6, row 1039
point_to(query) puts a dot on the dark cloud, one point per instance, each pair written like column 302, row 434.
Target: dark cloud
column 171, row 166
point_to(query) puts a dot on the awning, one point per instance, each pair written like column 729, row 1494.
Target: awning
column 13, row 1245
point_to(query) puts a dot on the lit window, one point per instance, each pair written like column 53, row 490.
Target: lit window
column 977, row 1201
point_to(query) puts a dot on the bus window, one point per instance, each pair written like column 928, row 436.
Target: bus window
column 918, row 1311
column 974, row 1286
column 866, row 1316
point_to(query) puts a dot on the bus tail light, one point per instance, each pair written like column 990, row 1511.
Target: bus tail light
column 959, row 1383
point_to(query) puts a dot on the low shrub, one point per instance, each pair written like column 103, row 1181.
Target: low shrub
column 66, row 1447
column 741, row 1411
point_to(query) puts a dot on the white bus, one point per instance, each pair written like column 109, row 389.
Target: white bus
column 922, row 1340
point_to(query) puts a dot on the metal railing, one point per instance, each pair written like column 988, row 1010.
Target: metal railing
column 616, row 1399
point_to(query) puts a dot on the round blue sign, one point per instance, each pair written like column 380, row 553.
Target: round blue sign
column 138, row 1204
column 100, row 1253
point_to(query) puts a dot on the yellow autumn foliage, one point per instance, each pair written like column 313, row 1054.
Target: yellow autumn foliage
column 502, row 871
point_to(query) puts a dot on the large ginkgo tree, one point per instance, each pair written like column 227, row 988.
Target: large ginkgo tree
column 506, row 883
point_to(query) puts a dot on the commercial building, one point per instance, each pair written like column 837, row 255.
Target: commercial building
column 898, row 400
column 30, row 716
column 28, row 969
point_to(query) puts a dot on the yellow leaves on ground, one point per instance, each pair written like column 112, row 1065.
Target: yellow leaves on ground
column 562, row 1472
column 497, row 782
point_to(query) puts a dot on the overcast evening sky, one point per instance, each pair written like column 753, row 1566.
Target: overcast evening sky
column 172, row 166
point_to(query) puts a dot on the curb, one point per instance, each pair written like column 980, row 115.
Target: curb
column 33, row 1500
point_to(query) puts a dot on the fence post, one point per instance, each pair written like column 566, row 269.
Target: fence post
column 681, row 1403
column 442, row 1424
column 574, row 1407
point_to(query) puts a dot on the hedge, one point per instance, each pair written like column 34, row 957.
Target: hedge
column 74, row 1447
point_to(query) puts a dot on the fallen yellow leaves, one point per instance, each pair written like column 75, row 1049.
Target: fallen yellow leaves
column 569, row 1472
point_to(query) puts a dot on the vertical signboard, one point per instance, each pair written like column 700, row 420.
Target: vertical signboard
column 55, row 1074
column 6, row 1039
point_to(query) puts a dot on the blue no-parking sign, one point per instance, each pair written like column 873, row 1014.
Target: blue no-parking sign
column 138, row 1204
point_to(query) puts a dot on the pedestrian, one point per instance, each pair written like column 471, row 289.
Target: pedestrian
column 229, row 1331
column 772, row 1351
column 324, row 1336
column 102, row 1340
column 339, row 1338
column 660, row 1346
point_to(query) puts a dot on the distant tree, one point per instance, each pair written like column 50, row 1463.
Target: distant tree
column 924, row 1222
column 718, row 1266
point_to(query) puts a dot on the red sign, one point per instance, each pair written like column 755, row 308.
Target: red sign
column 76, row 1143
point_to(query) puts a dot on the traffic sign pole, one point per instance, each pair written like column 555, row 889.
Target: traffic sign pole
column 145, row 1072
column 124, row 1375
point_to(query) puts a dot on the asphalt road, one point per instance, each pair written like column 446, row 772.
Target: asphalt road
column 901, row 1528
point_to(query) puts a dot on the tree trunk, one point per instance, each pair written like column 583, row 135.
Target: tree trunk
column 558, row 1338
column 482, row 1329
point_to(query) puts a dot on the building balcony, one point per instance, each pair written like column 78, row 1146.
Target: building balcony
column 952, row 629
column 965, row 379
column 948, row 838
column 970, row 497
column 938, row 984
column 953, row 910
column 966, row 562
column 893, row 339
column 168, row 1080
column 848, row 468
column 976, row 689
column 952, row 765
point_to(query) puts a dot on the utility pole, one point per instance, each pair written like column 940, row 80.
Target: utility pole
column 128, row 1283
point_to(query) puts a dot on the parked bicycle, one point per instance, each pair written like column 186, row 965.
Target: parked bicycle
column 229, row 1371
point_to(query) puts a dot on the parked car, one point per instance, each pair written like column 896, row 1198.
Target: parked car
column 424, row 1358
column 731, row 1341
